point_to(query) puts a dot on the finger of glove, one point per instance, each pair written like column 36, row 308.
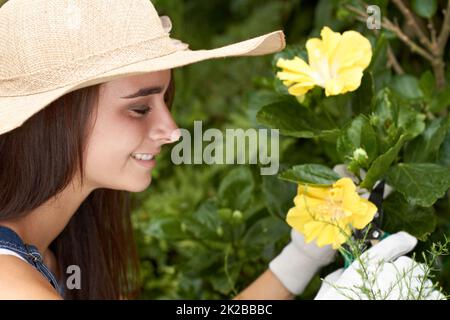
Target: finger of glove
column 386, row 283
column 334, row 276
column 414, row 276
column 399, row 280
column 324, row 255
column 383, row 281
column 406, row 265
column 327, row 284
column 436, row 295
column 389, row 249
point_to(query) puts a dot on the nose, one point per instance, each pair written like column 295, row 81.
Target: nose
column 163, row 128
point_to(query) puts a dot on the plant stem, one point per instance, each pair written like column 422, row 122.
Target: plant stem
column 414, row 22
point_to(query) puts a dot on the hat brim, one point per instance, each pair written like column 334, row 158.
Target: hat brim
column 14, row 111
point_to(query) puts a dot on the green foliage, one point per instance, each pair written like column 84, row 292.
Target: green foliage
column 401, row 215
column 420, row 183
column 206, row 232
column 426, row 147
column 359, row 134
column 379, row 167
column 425, row 9
column 294, row 120
column 211, row 249
column 310, row 174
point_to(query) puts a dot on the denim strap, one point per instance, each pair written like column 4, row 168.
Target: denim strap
column 11, row 240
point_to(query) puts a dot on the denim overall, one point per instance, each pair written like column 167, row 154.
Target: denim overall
column 11, row 241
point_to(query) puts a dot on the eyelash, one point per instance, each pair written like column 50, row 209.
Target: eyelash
column 142, row 112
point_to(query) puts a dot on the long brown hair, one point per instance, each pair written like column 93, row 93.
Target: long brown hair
column 37, row 161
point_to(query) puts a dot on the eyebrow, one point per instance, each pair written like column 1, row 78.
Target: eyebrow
column 144, row 92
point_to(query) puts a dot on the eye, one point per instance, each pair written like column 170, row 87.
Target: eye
column 141, row 111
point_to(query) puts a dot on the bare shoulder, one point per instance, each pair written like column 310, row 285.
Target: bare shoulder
column 20, row 281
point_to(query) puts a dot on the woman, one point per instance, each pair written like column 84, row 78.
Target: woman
column 85, row 90
column 85, row 95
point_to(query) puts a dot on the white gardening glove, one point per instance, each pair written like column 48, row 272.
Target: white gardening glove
column 388, row 275
column 299, row 261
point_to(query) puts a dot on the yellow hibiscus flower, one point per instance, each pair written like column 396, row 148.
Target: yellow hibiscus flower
column 336, row 63
column 329, row 213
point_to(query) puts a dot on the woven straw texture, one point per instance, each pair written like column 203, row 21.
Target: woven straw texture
column 51, row 47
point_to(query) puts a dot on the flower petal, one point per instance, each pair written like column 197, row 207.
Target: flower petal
column 314, row 192
column 330, row 40
column 333, row 87
column 354, row 50
column 350, row 79
column 365, row 214
column 294, row 77
column 297, row 219
column 328, row 214
column 295, row 65
column 300, row 89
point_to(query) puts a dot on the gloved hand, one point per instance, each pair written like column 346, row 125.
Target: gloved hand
column 388, row 275
column 299, row 262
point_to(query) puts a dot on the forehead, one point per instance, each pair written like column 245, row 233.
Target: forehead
column 132, row 83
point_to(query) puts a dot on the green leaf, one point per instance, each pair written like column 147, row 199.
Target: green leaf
column 201, row 258
column 204, row 222
column 290, row 52
column 426, row 146
column 425, row 9
column 420, row 183
column 224, row 280
column 410, row 121
column 379, row 56
column 407, row 86
column 358, row 134
column 235, row 190
column 381, row 164
column 399, row 215
column 294, row 120
column 444, row 152
column 393, row 116
column 316, row 174
column 337, row 107
column 165, row 227
column 441, row 100
column 362, row 98
column 262, row 98
column 324, row 15
column 278, row 195
column 427, row 84
column 265, row 232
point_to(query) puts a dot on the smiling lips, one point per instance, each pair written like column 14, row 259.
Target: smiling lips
column 146, row 163
column 143, row 156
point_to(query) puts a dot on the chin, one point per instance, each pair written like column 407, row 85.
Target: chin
column 138, row 187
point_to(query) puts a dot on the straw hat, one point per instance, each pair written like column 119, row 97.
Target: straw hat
column 51, row 47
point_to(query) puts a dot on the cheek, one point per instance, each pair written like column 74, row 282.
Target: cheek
column 110, row 145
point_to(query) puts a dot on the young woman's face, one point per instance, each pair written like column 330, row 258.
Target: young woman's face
column 132, row 118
